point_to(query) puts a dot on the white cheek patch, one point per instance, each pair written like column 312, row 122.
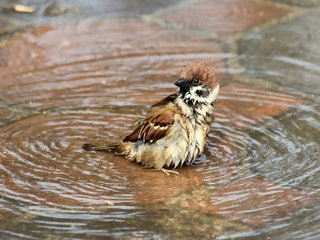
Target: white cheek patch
column 194, row 96
column 200, row 99
column 214, row 94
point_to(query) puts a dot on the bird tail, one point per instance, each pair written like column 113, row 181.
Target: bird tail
column 107, row 148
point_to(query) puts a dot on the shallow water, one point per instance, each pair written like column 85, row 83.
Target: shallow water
column 258, row 177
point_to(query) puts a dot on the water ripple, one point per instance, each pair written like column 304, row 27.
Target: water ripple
column 259, row 174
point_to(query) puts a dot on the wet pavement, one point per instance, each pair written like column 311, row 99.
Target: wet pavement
column 73, row 72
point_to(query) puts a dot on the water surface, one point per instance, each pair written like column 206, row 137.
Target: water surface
column 64, row 85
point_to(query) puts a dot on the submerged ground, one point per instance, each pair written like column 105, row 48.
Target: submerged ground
column 81, row 71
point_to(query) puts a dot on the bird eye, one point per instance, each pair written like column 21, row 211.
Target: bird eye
column 195, row 82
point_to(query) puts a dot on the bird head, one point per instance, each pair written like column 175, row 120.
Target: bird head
column 198, row 84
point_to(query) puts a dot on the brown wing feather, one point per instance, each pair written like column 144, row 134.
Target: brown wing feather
column 166, row 100
column 155, row 126
column 162, row 103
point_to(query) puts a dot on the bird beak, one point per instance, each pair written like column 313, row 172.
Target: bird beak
column 183, row 84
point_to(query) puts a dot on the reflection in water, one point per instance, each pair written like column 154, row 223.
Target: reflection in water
column 259, row 176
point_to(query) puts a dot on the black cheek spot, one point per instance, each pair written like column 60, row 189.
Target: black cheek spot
column 199, row 93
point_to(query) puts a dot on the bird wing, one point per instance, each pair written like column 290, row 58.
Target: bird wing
column 156, row 125
column 166, row 100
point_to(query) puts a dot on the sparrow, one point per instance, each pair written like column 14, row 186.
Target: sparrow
column 172, row 132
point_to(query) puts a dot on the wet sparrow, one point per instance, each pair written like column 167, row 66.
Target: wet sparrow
column 174, row 131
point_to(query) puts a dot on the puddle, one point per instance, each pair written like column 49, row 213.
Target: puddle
column 258, row 178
